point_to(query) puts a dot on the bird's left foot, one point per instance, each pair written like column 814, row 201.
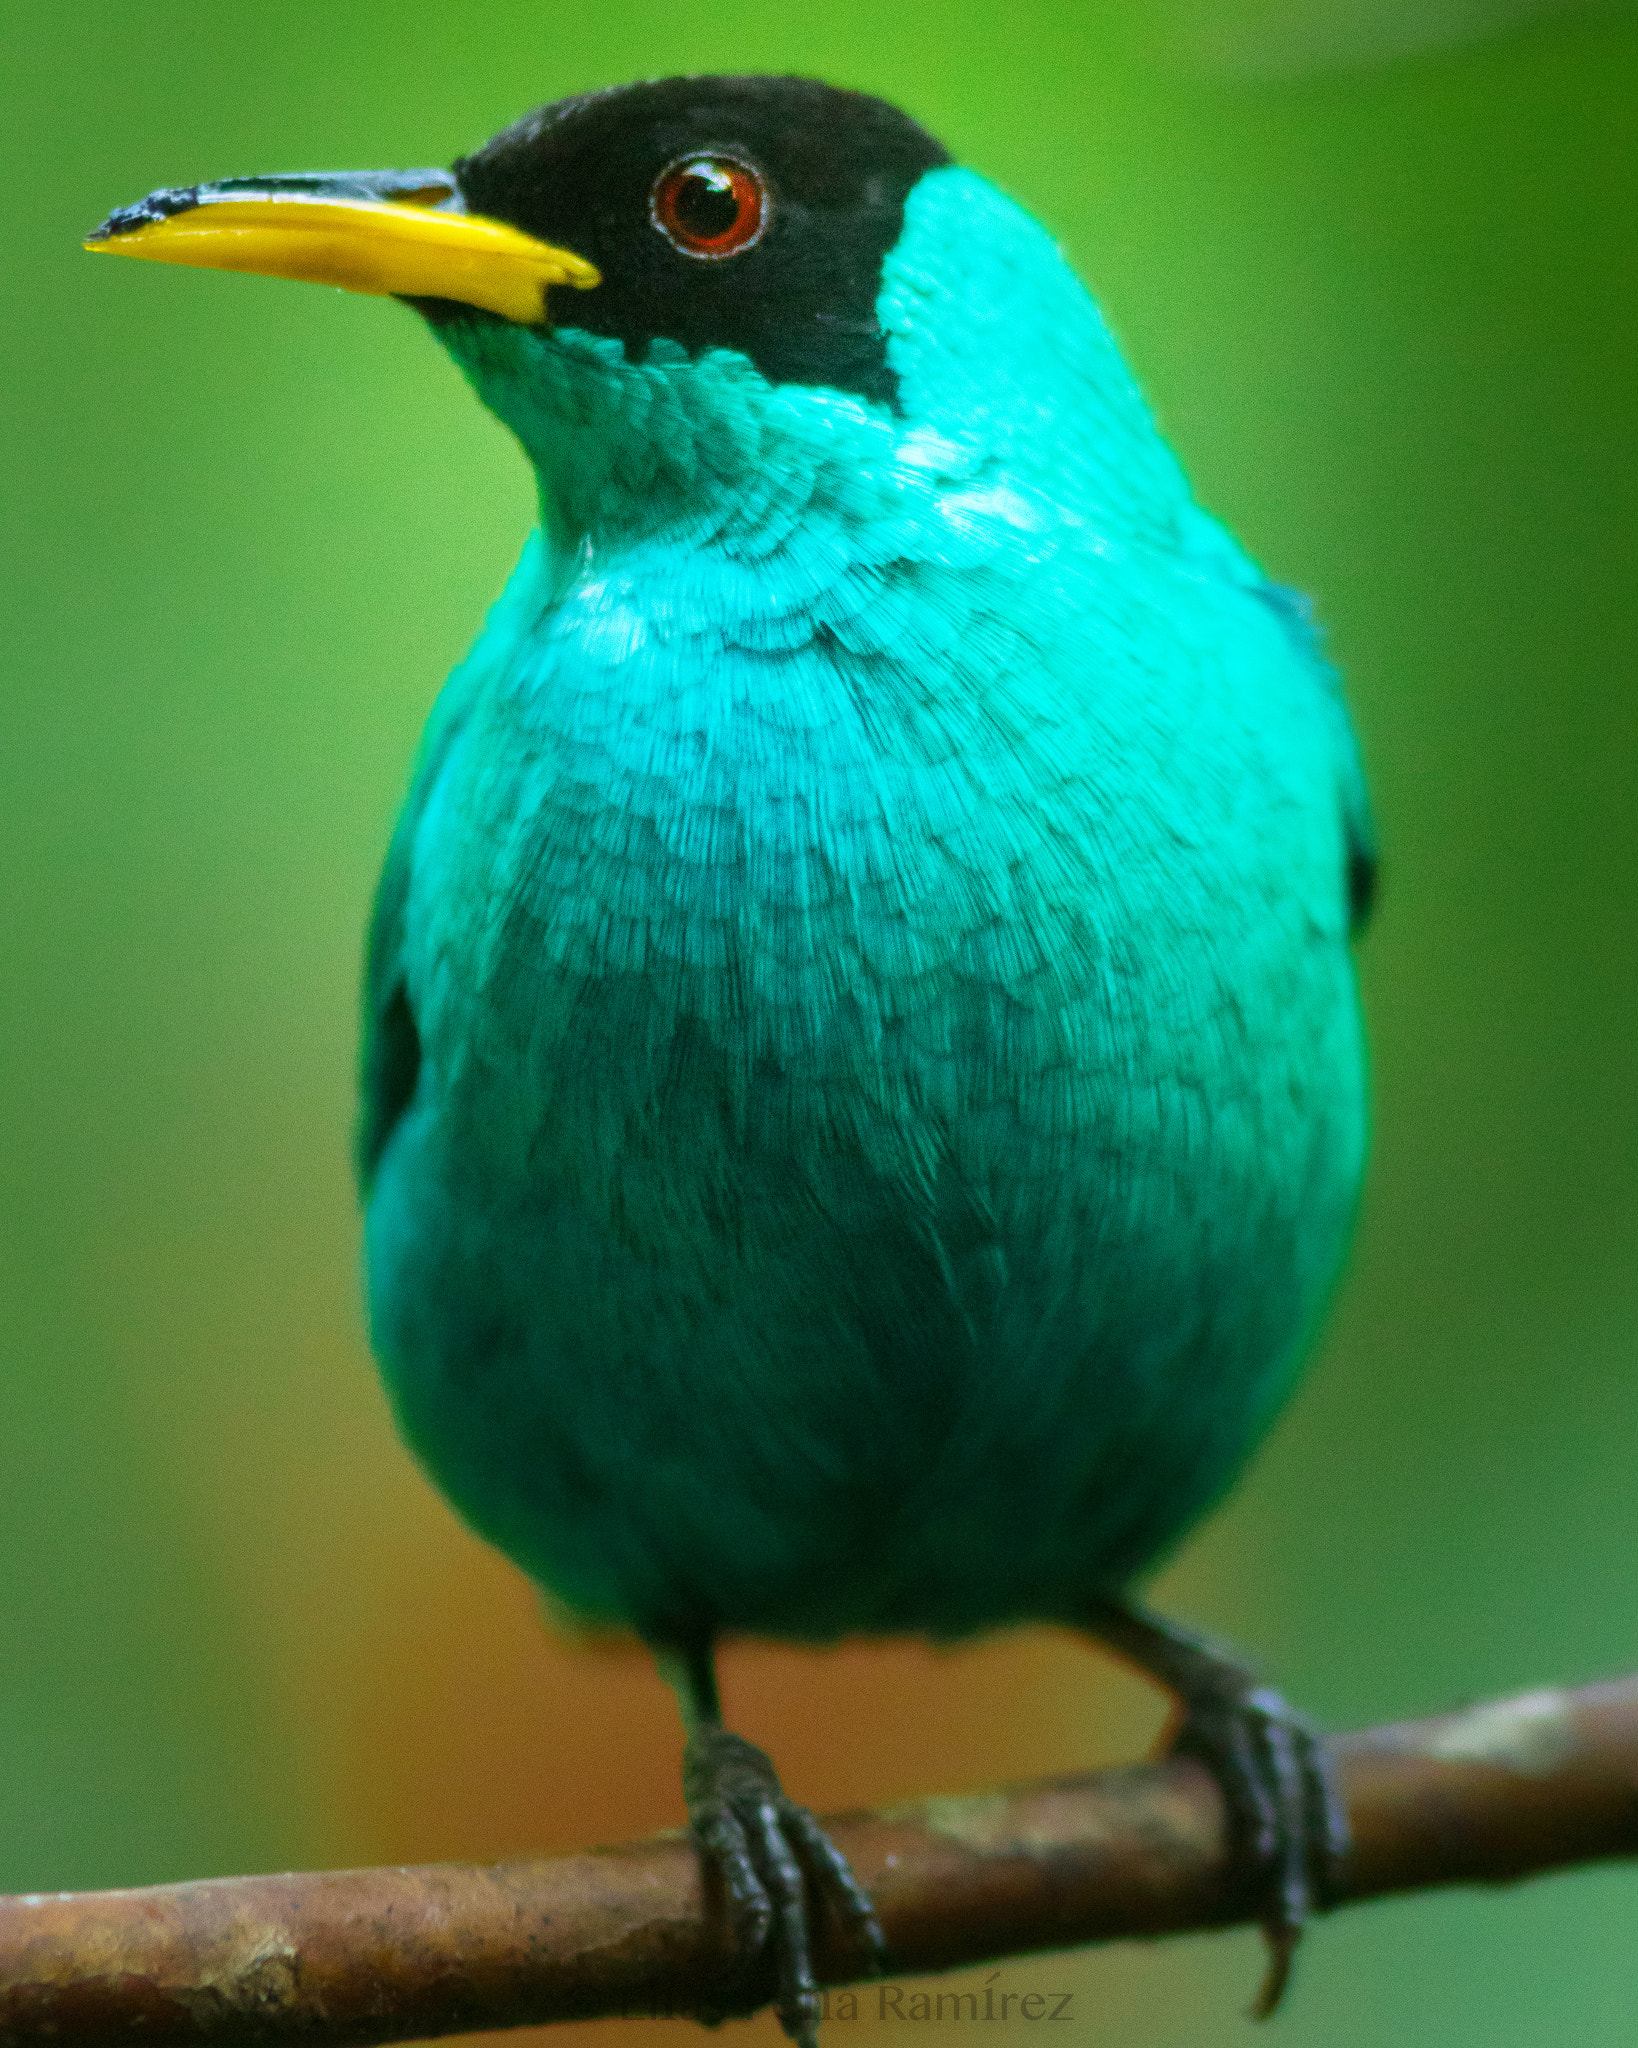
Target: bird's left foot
column 775, row 1861
column 1288, row 1823
column 1287, row 1814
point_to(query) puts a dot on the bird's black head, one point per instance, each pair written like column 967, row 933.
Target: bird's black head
column 742, row 213
column 749, row 214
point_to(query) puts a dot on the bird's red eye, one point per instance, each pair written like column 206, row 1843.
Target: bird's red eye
column 709, row 205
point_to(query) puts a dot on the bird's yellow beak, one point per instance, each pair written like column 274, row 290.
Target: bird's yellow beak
column 400, row 234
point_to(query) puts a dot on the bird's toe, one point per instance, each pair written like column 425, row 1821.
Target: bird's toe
column 775, row 1862
column 1289, row 1823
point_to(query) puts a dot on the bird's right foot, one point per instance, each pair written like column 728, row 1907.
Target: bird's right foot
column 776, row 1862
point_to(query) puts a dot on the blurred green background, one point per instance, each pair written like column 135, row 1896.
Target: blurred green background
column 1377, row 264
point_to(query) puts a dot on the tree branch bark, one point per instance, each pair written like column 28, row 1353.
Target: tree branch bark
column 1484, row 1796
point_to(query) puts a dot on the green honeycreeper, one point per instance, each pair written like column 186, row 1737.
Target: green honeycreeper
column 863, row 1088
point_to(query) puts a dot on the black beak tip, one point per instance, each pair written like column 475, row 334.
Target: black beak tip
column 430, row 188
column 160, row 205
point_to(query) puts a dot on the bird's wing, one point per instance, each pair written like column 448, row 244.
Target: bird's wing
column 391, row 1056
column 390, row 1060
column 1205, row 542
column 1296, row 613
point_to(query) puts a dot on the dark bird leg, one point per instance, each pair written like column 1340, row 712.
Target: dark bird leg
column 1289, row 1825
column 774, row 1858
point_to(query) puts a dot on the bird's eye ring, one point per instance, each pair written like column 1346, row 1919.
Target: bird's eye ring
column 709, row 205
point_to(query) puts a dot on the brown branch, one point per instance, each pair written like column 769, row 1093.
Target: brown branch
column 1488, row 1795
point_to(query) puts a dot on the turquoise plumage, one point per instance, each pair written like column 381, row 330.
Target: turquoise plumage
column 874, row 912
column 864, row 1094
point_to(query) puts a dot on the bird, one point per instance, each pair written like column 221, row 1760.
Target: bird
column 863, row 1087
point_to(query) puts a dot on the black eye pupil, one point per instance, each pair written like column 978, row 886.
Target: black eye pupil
column 706, row 204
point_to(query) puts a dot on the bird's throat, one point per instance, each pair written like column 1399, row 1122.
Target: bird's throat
column 693, row 450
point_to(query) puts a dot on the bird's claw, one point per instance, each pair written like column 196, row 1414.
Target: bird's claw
column 773, row 1856
column 1285, row 1809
